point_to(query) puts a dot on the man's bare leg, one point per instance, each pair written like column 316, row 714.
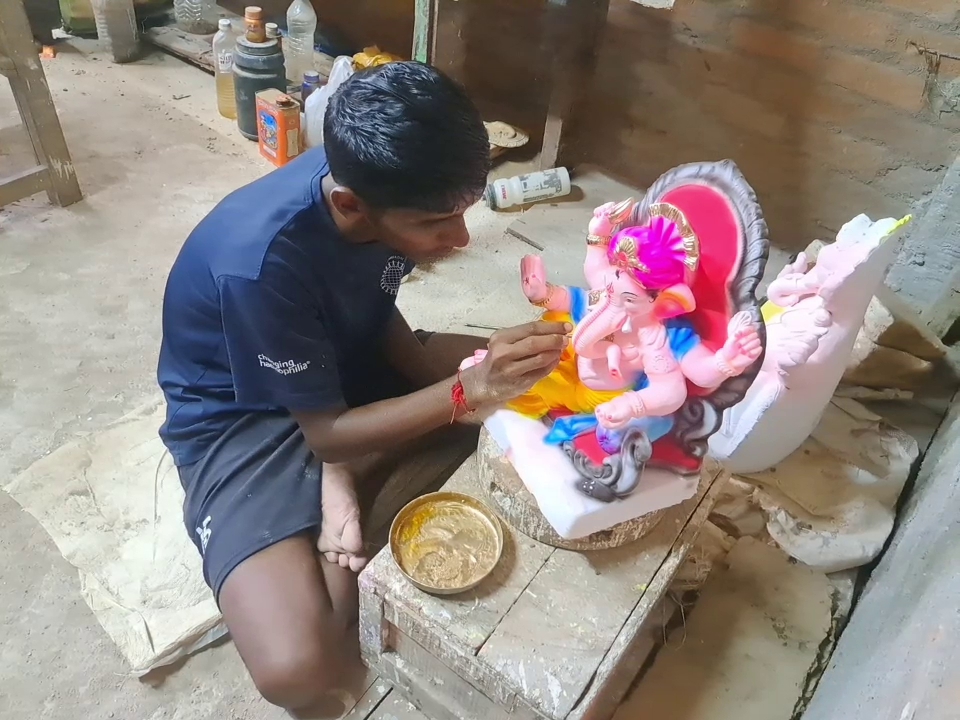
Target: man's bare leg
column 293, row 615
column 341, row 539
column 293, row 619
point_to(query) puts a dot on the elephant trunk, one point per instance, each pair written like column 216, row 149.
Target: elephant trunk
column 603, row 320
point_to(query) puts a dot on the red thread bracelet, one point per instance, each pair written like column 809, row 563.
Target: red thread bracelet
column 459, row 399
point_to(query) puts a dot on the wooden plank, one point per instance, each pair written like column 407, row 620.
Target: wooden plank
column 424, row 31
column 463, row 663
column 197, row 50
column 395, row 707
column 468, row 619
column 641, row 631
column 370, row 700
column 372, row 622
column 557, row 44
column 552, row 641
column 574, row 29
column 23, row 184
column 32, row 95
column 441, row 692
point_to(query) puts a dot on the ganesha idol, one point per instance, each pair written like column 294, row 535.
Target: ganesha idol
column 667, row 336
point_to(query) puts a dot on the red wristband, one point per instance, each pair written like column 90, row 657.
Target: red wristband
column 459, row 399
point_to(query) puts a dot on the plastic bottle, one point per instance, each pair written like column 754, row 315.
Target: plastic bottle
column 196, row 16
column 298, row 43
column 117, row 27
column 311, row 82
column 524, row 189
column 224, row 43
column 256, row 66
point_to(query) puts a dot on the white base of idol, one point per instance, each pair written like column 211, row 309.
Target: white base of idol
column 550, row 477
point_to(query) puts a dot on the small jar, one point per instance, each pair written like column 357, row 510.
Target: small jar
column 311, row 82
column 253, row 20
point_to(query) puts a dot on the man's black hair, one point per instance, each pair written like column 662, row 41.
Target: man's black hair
column 404, row 135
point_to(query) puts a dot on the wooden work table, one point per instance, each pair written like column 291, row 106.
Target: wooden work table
column 550, row 634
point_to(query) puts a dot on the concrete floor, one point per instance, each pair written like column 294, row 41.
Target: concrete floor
column 80, row 292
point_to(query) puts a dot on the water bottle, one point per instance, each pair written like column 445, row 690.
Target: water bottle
column 224, row 43
column 298, row 44
column 196, row 16
column 116, row 23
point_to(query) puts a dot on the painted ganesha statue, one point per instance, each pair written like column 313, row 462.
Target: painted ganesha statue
column 666, row 337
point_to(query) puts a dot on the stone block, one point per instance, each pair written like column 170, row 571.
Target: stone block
column 812, row 250
column 891, row 323
column 873, row 366
column 928, row 268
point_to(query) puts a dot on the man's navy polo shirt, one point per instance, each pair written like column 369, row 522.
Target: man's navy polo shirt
column 269, row 309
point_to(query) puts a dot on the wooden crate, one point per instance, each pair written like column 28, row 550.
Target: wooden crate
column 551, row 634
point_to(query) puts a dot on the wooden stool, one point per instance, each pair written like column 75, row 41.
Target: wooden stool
column 552, row 633
column 20, row 64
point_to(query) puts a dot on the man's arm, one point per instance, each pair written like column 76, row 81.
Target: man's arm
column 337, row 437
column 424, row 364
column 517, row 359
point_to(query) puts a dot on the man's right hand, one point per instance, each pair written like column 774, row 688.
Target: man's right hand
column 517, row 358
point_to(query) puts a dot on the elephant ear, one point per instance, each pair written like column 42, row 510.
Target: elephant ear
column 674, row 301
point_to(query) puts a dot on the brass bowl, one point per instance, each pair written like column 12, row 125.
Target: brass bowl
column 446, row 543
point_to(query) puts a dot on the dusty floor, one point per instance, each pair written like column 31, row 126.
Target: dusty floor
column 80, row 290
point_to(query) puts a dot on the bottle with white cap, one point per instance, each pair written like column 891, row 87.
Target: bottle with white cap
column 530, row 188
column 224, row 43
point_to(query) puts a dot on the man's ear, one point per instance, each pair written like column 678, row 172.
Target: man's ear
column 346, row 204
column 675, row 300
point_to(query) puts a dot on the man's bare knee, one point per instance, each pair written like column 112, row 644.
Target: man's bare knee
column 291, row 622
column 299, row 677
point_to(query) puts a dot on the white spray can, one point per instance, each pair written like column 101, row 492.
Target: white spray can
column 525, row 189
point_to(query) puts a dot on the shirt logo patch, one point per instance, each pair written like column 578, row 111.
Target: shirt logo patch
column 393, row 274
column 287, row 367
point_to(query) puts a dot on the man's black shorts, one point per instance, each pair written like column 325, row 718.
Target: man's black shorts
column 259, row 484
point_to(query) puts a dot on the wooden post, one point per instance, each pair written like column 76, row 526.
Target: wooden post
column 574, row 28
column 20, row 63
column 425, row 30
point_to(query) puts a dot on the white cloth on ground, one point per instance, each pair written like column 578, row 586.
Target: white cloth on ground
column 113, row 504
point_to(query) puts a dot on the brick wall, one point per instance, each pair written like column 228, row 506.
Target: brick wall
column 825, row 105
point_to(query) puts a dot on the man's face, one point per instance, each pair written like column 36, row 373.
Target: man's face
column 422, row 236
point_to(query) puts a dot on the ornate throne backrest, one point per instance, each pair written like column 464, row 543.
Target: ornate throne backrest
column 723, row 211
